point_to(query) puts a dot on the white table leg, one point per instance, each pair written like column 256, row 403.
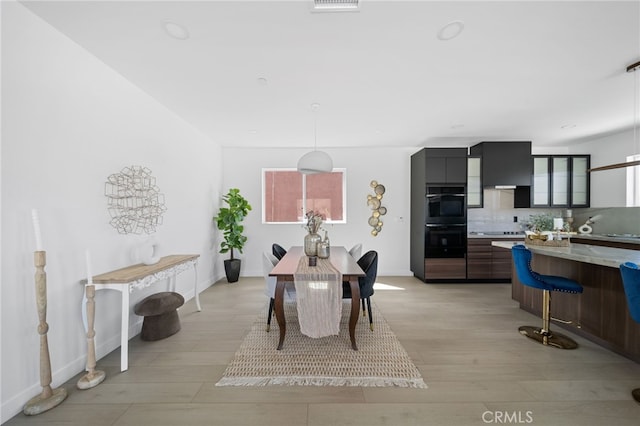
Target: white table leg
column 195, row 286
column 84, row 310
column 124, row 330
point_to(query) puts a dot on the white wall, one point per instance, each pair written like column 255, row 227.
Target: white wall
column 68, row 122
column 608, row 187
column 389, row 166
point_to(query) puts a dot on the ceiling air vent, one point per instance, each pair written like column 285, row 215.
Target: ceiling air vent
column 335, row 5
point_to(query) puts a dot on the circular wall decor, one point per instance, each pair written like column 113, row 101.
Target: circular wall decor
column 375, row 204
column 134, row 201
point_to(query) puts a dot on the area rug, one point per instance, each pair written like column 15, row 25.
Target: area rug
column 328, row 361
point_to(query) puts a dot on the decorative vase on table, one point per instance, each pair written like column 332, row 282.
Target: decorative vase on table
column 311, row 241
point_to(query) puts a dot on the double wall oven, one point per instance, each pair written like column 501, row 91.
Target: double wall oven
column 445, row 232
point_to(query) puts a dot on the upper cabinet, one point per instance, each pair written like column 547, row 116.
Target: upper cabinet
column 560, row 181
column 474, row 182
column 504, row 163
column 446, row 165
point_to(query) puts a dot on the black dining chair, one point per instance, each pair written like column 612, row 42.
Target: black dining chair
column 278, row 251
column 369, row 264
column 268, row 262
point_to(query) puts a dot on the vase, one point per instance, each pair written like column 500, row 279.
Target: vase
column 311, row 241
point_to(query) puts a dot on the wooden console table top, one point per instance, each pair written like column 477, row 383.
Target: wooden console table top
column 136, row 272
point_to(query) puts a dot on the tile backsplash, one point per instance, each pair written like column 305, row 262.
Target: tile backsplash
column 498, row 215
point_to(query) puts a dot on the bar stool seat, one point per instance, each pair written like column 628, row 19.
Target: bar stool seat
column 160, row 315
column 631, row 281
column 547, row 283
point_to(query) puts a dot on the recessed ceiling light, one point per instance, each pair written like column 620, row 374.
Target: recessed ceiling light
column 451, row 30
column 174, row 30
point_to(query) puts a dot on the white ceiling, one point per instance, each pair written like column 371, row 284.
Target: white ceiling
column 549, row 72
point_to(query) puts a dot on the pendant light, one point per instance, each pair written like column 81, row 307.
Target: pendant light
column 631, row 68
column 315, row 161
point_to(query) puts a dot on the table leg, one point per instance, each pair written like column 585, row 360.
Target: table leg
column 124, row 330
column 195, row 286
column 279, row 310
column 355, row 311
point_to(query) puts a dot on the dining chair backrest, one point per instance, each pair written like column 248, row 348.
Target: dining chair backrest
column 369, row 264
column 278, row 251
column 356, row 251
column 522, row 261
column 268, row 262
column 631, row 281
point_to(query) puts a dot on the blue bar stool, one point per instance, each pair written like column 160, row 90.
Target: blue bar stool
column 547, row 283
column 631, row 281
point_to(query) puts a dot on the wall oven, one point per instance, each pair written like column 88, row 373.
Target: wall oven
column 445, row 240
column 446, row 204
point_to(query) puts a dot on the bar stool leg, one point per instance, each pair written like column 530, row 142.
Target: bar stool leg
column 544, row 335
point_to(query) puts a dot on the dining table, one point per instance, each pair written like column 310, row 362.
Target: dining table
column 341, row 260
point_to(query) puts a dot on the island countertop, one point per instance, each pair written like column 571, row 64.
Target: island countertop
column 596, row 255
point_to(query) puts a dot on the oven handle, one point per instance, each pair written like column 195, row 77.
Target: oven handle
column 433, row 225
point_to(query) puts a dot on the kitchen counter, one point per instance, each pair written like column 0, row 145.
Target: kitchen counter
column 620, row 238
column 596, row 255
column 600, row 312
column 496, row 235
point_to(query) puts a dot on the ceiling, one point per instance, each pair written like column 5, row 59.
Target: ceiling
column 248, row 73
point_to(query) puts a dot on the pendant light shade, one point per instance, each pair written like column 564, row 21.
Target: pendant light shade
column 315, row 162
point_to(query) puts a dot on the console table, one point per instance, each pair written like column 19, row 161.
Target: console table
column 126, row 280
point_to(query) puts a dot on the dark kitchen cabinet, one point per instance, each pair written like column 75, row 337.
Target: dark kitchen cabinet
column 560, row 181
column 478, row 259
column 485, row 262
column 446, row 165
column 504, row 163
column 433, row 166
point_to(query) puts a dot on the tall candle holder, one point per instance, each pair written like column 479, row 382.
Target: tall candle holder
column 48, row 398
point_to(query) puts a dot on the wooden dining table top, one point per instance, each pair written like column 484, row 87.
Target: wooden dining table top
column 339, row 258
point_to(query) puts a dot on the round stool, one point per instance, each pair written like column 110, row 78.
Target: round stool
column 160, row 316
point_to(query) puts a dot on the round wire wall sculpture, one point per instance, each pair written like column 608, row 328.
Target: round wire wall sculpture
column 135, row 202
column 375, row 204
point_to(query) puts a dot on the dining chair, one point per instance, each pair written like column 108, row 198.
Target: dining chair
column 546, row 283
column 631, row 282
column 278, row 251
column 356, row 251
column 369, row 264
column 268, row 262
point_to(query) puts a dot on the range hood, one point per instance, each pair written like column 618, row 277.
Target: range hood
column 505, row 164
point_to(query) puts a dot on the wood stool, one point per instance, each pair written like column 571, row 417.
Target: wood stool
column 160, row 315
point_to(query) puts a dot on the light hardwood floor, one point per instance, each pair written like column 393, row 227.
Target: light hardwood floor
column 462, row 337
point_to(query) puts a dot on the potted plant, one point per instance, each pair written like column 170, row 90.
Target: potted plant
column 229, row 222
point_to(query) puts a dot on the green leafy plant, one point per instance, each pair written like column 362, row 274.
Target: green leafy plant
column 541, row 222
column 229, row 221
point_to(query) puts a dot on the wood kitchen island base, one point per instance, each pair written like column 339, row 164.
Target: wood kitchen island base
column 601, row 310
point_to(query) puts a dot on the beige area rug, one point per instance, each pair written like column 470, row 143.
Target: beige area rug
column 327, row 361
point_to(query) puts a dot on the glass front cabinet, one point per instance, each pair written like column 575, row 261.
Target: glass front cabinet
column 474, row 182
column 560, row 181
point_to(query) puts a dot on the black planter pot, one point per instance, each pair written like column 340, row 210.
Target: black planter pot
column 232, row 269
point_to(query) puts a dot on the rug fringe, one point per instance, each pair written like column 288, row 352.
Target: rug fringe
column 323, row 381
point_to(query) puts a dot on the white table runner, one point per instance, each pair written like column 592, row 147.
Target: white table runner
column 319, row 298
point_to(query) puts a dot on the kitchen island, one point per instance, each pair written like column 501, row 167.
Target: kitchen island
column 600, row 313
